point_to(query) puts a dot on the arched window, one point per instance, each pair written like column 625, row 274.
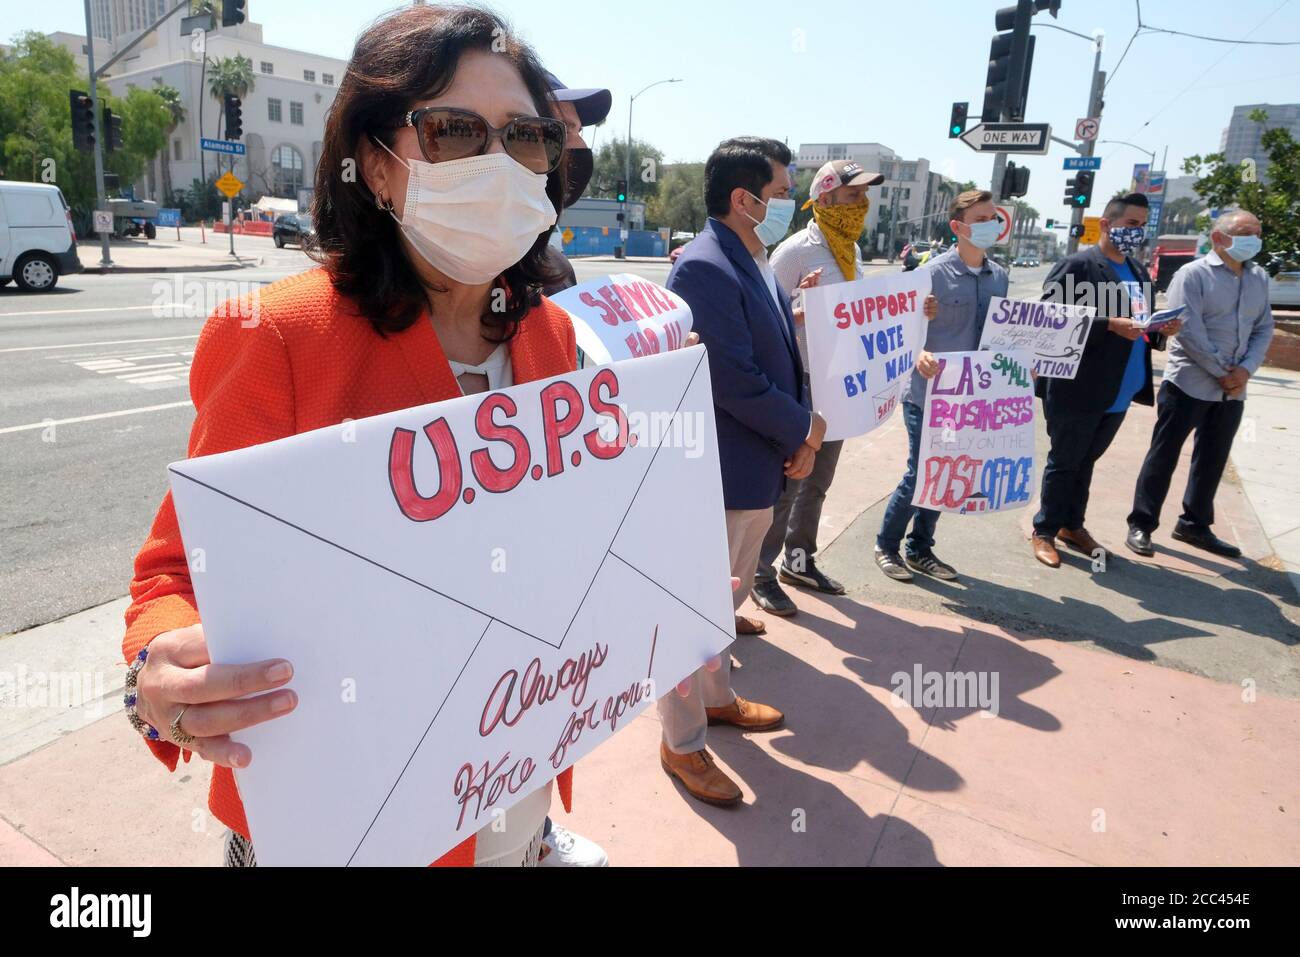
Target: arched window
column 286, row 171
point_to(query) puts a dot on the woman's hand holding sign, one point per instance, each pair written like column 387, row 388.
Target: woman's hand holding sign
column 179, row 678
column 713, row 664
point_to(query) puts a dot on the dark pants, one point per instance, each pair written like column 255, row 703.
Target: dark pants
column 900, row 509
column 1177, row 415
column 1078, row 440
column 798, row 515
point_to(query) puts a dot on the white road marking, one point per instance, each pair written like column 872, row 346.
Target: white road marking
column 83, row 345
column 168, row 307
column 92, row 418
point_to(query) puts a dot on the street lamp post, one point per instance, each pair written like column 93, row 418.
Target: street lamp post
column 1150, row 153
column 627, row 164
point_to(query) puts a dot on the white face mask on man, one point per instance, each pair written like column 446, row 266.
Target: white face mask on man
column 473, row 218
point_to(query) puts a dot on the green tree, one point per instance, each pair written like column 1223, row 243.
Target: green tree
column 171, row 98
column 1179, row 216
column 145, row 123
column 679, row 202
column 229, row 75
column 646, row 170
column 1275, row 198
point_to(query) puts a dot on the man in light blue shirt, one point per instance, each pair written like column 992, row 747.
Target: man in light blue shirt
column 963, row 280
column 1227, row 328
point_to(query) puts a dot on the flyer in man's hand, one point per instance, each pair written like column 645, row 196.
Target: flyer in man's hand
column 1163, row 318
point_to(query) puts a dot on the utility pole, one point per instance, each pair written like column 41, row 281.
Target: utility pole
column 1094, row 109
column 893, row 223
column 101, row 200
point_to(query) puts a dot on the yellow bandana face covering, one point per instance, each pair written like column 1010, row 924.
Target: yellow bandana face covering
column 841, row 226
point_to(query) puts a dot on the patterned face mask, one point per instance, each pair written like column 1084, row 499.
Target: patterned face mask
column 841, row 226
column 1128, row 239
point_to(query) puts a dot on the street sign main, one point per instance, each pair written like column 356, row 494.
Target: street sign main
column 1008, row 137
column 229, row 147
column 1082, row 162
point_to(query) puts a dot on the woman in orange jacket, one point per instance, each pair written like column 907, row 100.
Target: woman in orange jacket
column 437, row 188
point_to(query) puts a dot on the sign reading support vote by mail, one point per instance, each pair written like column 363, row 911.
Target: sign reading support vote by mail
column 474, row 594
column 625, row 317
column 863, row 340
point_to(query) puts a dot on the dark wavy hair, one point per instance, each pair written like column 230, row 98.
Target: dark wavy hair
column 406, row 56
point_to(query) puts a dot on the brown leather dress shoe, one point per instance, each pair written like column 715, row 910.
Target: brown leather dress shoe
column 703, row 779
column 747, row 715
column 1045, row 551
column 750, row 626
column 1081, row 541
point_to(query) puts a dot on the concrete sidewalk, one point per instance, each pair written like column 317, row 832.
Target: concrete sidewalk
column 1147, row 712
column 168, row 255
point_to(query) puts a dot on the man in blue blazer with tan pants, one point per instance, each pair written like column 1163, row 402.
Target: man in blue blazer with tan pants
column 766, row 429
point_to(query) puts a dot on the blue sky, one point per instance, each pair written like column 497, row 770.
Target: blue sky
column 885, row 72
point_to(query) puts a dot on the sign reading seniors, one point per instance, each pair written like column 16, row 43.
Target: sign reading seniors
column 625, row 317
column 977, row 434
column 474, row 594
column 863, row 338
column 1054, row 332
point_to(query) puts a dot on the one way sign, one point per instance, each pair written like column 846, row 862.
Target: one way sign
column 1008, row 137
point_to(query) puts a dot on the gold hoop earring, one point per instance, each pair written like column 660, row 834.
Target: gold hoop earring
column 380, row 204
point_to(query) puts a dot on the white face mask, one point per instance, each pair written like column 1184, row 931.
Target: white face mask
column 474, row 218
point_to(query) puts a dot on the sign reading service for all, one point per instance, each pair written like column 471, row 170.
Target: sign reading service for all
column 1054, row 332
column 863, row 338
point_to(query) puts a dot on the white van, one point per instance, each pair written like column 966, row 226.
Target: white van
column 37, row 242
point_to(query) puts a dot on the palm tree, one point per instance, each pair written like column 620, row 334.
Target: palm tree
column 231, row 75
column 172, row 97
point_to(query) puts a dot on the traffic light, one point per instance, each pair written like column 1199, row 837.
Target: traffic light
column 1015, row 180
column 1078, row 190
column 234, row 117
column 1011, row 58
column 957, row 124
column 112, row 129
column 232, row 12
column 620, row 191
column 83, row 121
column 1050, row 224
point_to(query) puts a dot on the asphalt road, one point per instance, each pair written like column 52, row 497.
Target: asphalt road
column 94, row 405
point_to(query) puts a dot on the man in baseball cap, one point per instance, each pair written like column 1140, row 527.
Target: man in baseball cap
column 828, row 246
column 576, row 108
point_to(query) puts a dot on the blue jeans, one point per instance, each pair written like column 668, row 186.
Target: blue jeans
column 900, row 509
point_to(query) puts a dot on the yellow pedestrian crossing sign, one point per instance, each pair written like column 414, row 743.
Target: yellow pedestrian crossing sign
column 229, row 185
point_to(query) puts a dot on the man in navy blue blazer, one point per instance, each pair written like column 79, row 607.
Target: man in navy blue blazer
column 767, row 431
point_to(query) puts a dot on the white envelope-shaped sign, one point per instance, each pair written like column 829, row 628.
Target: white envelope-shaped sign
column 624, row 316
column 474, row 594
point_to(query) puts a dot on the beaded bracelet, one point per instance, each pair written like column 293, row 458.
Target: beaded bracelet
column 129, row 698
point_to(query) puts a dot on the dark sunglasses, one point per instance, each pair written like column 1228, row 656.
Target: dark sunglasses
column 534, row 142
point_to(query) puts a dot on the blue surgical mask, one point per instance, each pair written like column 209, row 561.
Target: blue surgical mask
column 776, row 222
column 1245, row 247
column 1128, row 239
column 984, row 235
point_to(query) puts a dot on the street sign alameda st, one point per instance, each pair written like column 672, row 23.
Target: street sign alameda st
column 1009, row 137
column 229, row 147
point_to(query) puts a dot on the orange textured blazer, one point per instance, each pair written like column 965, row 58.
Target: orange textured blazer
column 304, row 359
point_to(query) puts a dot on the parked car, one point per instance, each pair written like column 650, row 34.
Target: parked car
column 1284, row 284
column 37, row 241
column 293, row 228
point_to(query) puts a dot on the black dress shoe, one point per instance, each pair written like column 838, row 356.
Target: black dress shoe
column 1139, row 541
column 1207, row 541
column 810, row 577
column 771, row 597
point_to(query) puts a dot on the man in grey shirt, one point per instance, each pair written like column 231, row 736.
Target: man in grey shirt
column 1226, row 331
column 963, row 280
